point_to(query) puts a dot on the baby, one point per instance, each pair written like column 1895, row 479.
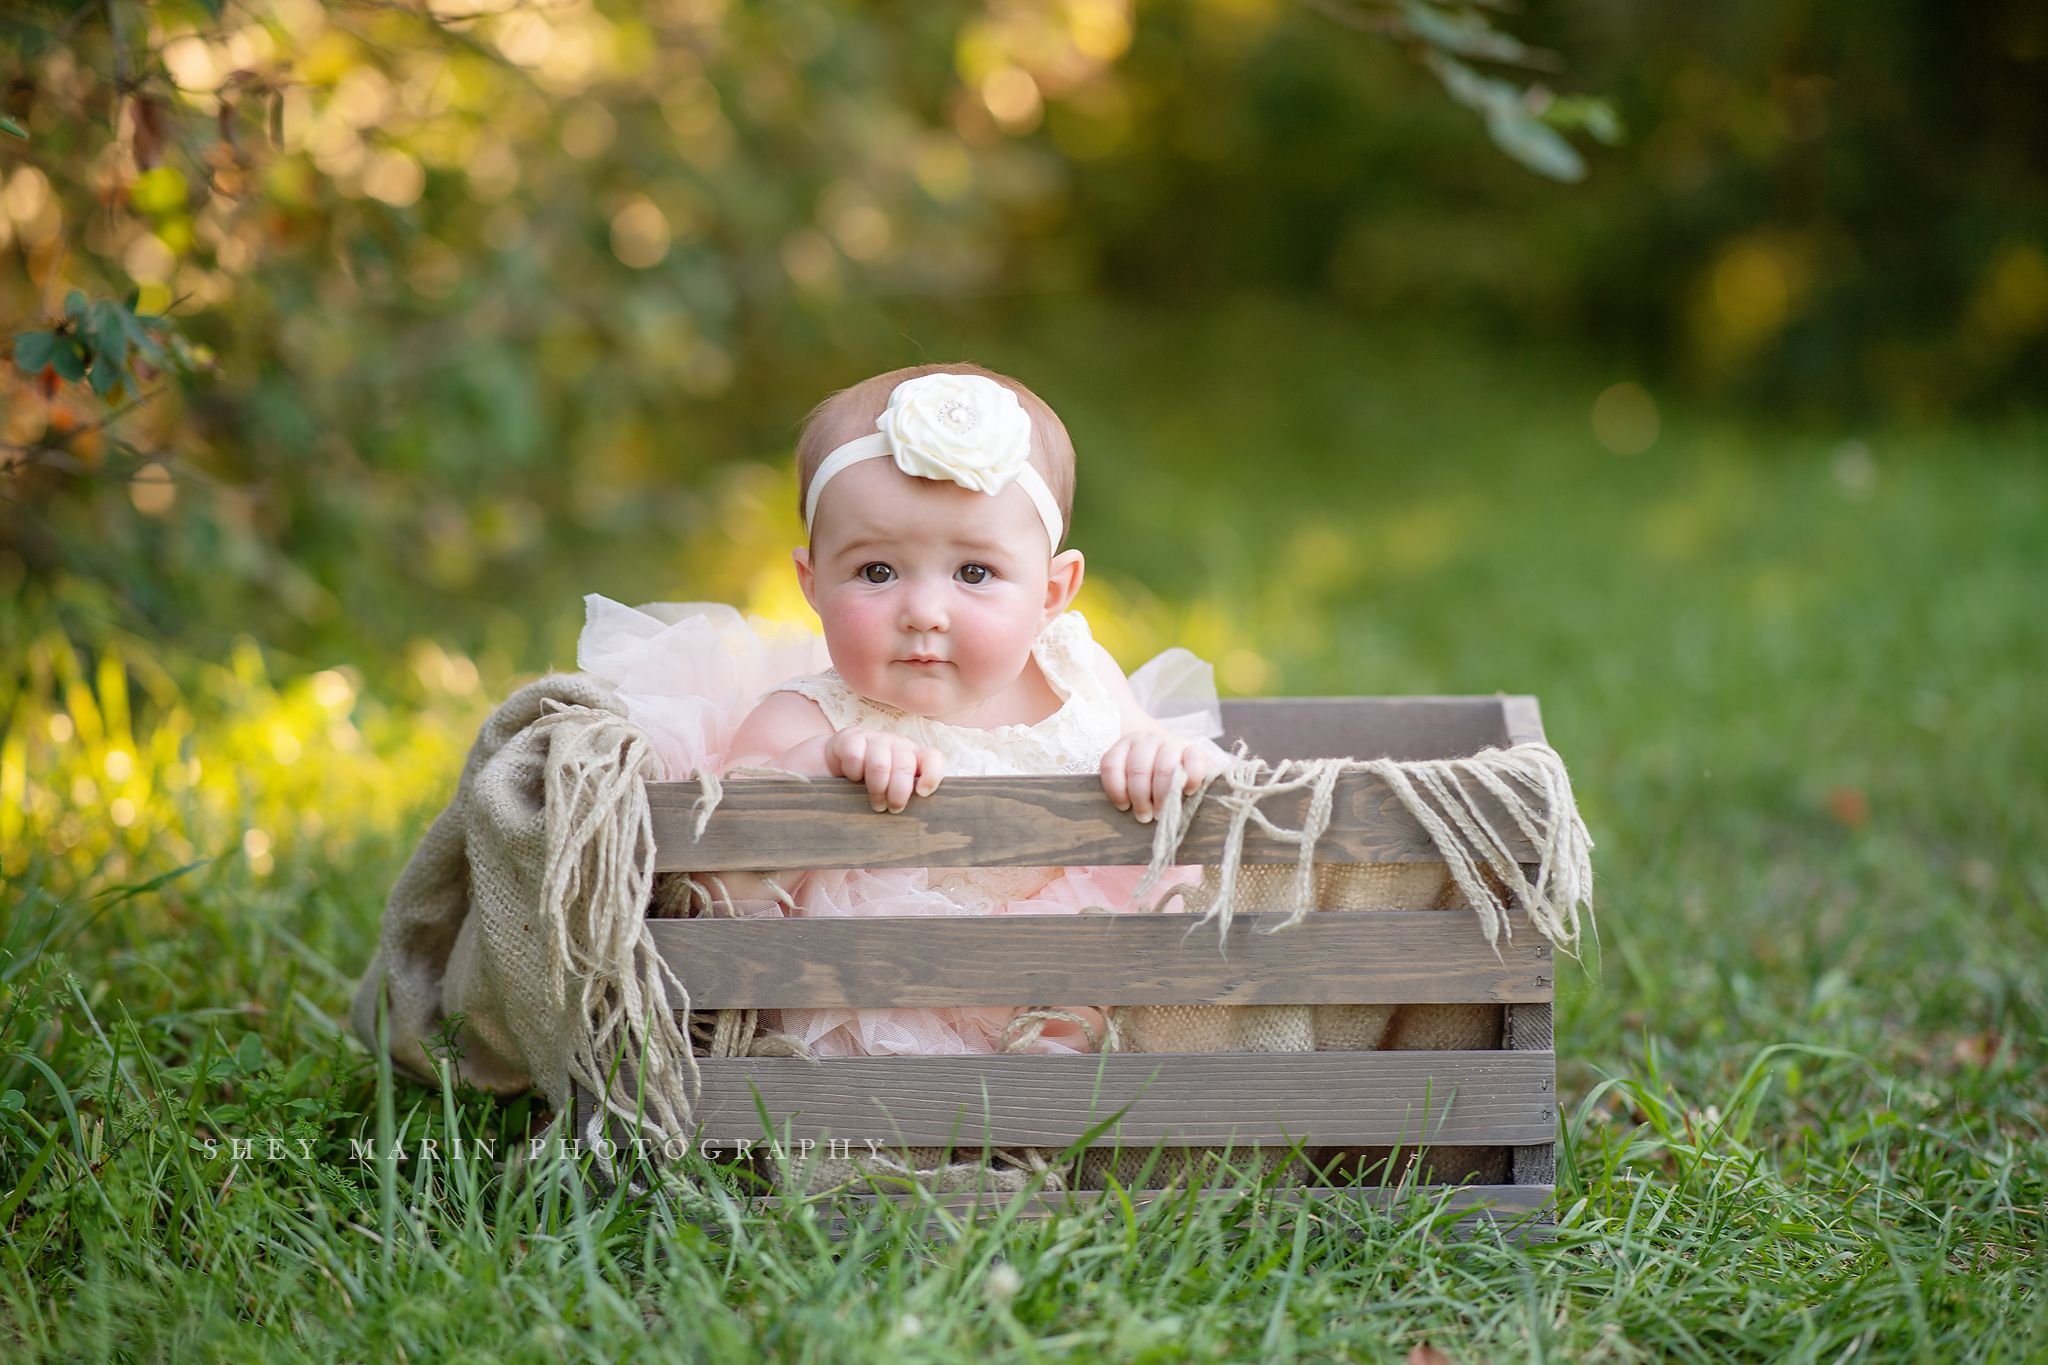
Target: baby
column 936, row 499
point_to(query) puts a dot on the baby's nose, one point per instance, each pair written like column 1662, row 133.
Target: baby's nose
column 924, row 607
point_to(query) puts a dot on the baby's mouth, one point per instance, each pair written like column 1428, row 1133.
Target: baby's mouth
column 922, row 660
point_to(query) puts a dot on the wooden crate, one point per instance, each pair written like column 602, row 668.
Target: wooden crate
column 1497, row 1098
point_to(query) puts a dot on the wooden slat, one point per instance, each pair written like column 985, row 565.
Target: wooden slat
column 775, row 824
column 1532, row 1028
column 1523, row 1210
column 1366, row 958
column 1524, row 720
column 1366, row 727
column 1325, row 1098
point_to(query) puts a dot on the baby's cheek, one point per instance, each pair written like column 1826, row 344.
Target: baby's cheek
column 857, row 633
column 998, row 639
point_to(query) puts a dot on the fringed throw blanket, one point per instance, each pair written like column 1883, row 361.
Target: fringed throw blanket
column 525, row 906
column 524, row 909
column 1527, row 782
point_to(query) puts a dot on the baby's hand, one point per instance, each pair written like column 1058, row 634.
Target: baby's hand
column 1138, row 771
column 893, row 767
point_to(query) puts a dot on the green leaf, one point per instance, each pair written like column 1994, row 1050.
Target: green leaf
column 32, row 351
column 68, row 357
column 1536, row 145
column 10, row 126
column 138, row 331
column 109, row 331
column 1466, row 33
column 74, row 304
column 28, row 1180
column 105, row 378
column 1509, row 121
column 1595, row 116
column 249, row 1056
column 12, row 1100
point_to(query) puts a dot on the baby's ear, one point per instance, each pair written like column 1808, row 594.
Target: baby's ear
column 1063, row 581
column 805, row 577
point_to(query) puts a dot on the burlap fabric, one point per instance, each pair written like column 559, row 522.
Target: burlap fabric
column 524, row 910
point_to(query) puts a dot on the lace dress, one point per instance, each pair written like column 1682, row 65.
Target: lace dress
column 1072, row 739
column 688, row 674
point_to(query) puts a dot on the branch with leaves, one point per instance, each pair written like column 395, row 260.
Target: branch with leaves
column 103, row 342
column 430, row 244
column 1527, row 122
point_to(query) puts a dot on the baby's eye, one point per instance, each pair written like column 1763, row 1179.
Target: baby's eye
column 876, row 573
column 975, row 573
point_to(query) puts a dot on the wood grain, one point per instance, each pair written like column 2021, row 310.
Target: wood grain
column 1385, row 957
column 1524, row 720
column 777, row 824
column 1324, row 1098
column 1532, row 1028
column 1274, row 728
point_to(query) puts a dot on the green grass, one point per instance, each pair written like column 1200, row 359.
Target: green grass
column 1804, row 1076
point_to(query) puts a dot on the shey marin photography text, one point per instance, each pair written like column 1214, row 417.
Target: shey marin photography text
column 545, row 1148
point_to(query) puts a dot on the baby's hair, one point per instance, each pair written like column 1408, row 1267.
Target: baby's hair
column 851, row 413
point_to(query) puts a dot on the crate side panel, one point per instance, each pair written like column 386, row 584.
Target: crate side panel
column 1274, row 728
column 1524, row 720
column 1531, row 1027
column 773, row 824
column 1322, row 1098
column 1386, row 957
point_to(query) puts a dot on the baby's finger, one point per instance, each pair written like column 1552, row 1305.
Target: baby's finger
column 931, row 770
column 902, row 777
column 1115, row 781
column 1195, row 763
column 1144, row 755
column 845, row 753
column 873, row 772
column 881, row 765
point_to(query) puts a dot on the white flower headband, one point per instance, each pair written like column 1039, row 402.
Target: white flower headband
column 964, row 428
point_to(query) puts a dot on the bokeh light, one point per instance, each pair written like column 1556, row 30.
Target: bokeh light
column 1625, row 418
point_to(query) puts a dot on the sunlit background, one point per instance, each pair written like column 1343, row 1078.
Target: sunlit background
column 1677, row 362
column 483, row 307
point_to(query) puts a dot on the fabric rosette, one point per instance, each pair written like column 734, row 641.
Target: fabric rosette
column 963, row 428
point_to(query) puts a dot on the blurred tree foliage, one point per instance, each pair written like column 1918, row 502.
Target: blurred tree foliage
column 459, row 282
column 1835, row 210
column 470, row 294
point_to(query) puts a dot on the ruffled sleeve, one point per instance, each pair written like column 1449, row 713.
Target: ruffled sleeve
column 688, row 672
column 1178, row 689
column 842, row 705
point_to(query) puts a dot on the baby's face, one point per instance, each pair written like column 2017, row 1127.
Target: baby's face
column 930, row 593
